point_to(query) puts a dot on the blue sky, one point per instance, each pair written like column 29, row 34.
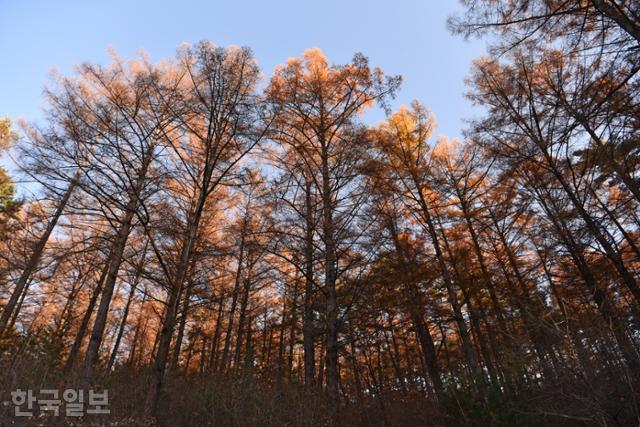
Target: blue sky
column 407, row 37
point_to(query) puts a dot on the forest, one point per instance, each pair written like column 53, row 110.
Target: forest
column 214, row 246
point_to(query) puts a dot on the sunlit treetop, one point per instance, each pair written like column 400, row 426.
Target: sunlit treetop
column 333, row 93
column 405, row 135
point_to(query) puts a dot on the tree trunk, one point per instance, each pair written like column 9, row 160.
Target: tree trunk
column 234, row 303
column 100, row 322
column 34, row 259
column 467, row 348
column 175, row 289
column 173, row 366
column 84, row 324
column 216, row 337
column 330, row 292
column 599, row 294
column 125, row 313
column 244, row 302
column 308, row 332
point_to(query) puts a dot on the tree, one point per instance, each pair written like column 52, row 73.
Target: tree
column 404, row 144
column 219, row 109
column 262, row 256
column 315, row 107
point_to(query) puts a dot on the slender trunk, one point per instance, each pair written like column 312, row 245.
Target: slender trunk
column 65, row 315
column 414, row 300
column 283, row 321
column 84, row 324
column 18, row 308
column 308, row 333
column 599, row 293
column 125, row 314
column 595, row 230
column 234, row 302
column 203, row 354
column 467, row 347
column 292, row 329
column 531, row 312
column 477, row 313
column 486, row 277
column 358, row 382
column 395, row 357
column 488, row 283
column 93, row 349
column 330, row 292
column 190, row 347
column 134, row 341
column 581, row 351
column 173, row 366
column 169, row 320
column 216, row 337
column 244, row 302
column 175, row 289
column 248, row 351
column 100, row 322
column 34, row 259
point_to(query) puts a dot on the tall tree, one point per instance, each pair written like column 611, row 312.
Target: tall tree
column 316, row 107
column 219, row 110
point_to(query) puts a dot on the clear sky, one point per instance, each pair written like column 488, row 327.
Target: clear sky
column 407, row 37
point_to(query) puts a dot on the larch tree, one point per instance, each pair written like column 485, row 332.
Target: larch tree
column 316, row 107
